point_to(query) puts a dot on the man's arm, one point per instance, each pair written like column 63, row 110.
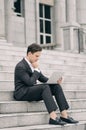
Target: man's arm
column 22, row 75
column 43, row 78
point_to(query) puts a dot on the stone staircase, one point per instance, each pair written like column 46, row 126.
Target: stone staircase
column 22, row 115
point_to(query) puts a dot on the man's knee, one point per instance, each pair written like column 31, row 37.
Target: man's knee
column 58, row 87
column 45, row 86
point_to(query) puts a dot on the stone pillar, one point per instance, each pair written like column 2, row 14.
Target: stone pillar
column 30, row 22
column 81, row 12
column 8, row 17
column 81, row 19
column 70, row 33
column 70, row 28
column 2, row 20
column 84, row 40
column 71, row 11
column 59, row 21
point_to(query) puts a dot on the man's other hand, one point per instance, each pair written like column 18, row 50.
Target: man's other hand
column 59, row 81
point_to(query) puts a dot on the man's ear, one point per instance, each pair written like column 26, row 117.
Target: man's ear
column 29, row 53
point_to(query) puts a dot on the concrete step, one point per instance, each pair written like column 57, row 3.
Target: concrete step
column 65, row 71
column 80, row 126
column 3, row 42
column 24, row 106
column 74, row 85
column 75, row 94
column 52, row 66
column 7, row 95
column 74, row 78
column 51, row 53
column 39, row 118
column 18, row 114
column 9, row 85
column 47, row 68
column 7, row 68
column 45, row 62
column 48, row 71
column 10, row 47
column 6, row 63
column 11, row 52
column 8, row 75
column 10, row 57
column 63, row 58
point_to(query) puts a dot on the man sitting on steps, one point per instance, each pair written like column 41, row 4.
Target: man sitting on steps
column 27, row 73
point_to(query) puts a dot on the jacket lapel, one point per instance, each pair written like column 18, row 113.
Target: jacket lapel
column 26, row 65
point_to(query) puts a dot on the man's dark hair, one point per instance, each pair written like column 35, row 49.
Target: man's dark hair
column 34, row 48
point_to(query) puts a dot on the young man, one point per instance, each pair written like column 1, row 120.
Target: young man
column 27, row 73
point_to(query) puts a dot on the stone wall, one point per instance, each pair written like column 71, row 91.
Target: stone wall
column 2, row 20
column 22, row 31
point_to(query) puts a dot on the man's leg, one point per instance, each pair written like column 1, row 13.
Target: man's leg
column 62, row 103
column 41, row 92
column 57, row 91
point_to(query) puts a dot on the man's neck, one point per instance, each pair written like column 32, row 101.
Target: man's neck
column 28, row 59
column 29, row 63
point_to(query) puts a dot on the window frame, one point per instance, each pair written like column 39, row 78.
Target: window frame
column 22, row 9
column 44, row 34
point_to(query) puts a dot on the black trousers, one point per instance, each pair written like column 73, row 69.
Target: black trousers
column 45, row 92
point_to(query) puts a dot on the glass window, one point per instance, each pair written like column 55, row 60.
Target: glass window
column 41, row 39
column 48, row 27
column 47, row 12
column 45, row 24
column 19, row 7
column 48, row 39
column 41, row 10
column 41, row 26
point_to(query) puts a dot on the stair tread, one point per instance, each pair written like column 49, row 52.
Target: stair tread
column 45, row 126
column 37, row 113
column 68, row 62
column 53, row 52
column 11, row 102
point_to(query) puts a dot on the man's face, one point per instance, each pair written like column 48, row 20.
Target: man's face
column 34, row 57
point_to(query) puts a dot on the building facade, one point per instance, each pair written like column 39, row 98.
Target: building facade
column 59, row 24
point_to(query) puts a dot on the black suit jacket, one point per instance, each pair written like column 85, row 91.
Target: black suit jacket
column 25, row 78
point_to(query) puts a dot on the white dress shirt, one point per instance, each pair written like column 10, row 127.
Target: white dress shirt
column 32, row 68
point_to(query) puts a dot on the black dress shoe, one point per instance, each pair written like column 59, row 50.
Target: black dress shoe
column 57, row 121
column 69, row 120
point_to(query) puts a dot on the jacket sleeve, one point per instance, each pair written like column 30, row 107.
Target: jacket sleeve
column 22, row 75
column 43, row 78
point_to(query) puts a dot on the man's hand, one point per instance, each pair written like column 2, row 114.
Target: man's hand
column 35, row 65
column 59, row 81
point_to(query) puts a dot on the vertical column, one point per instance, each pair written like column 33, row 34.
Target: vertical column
column 84, row 40
column 71, row 19
column 81, row 12
column 59, row 21
column 8, row 17
column 81, row 18
column 2, row 20
column 71, row 25
column 30, row 21
column 71, row 11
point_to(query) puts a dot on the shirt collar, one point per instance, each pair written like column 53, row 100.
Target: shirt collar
column 29, row 64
